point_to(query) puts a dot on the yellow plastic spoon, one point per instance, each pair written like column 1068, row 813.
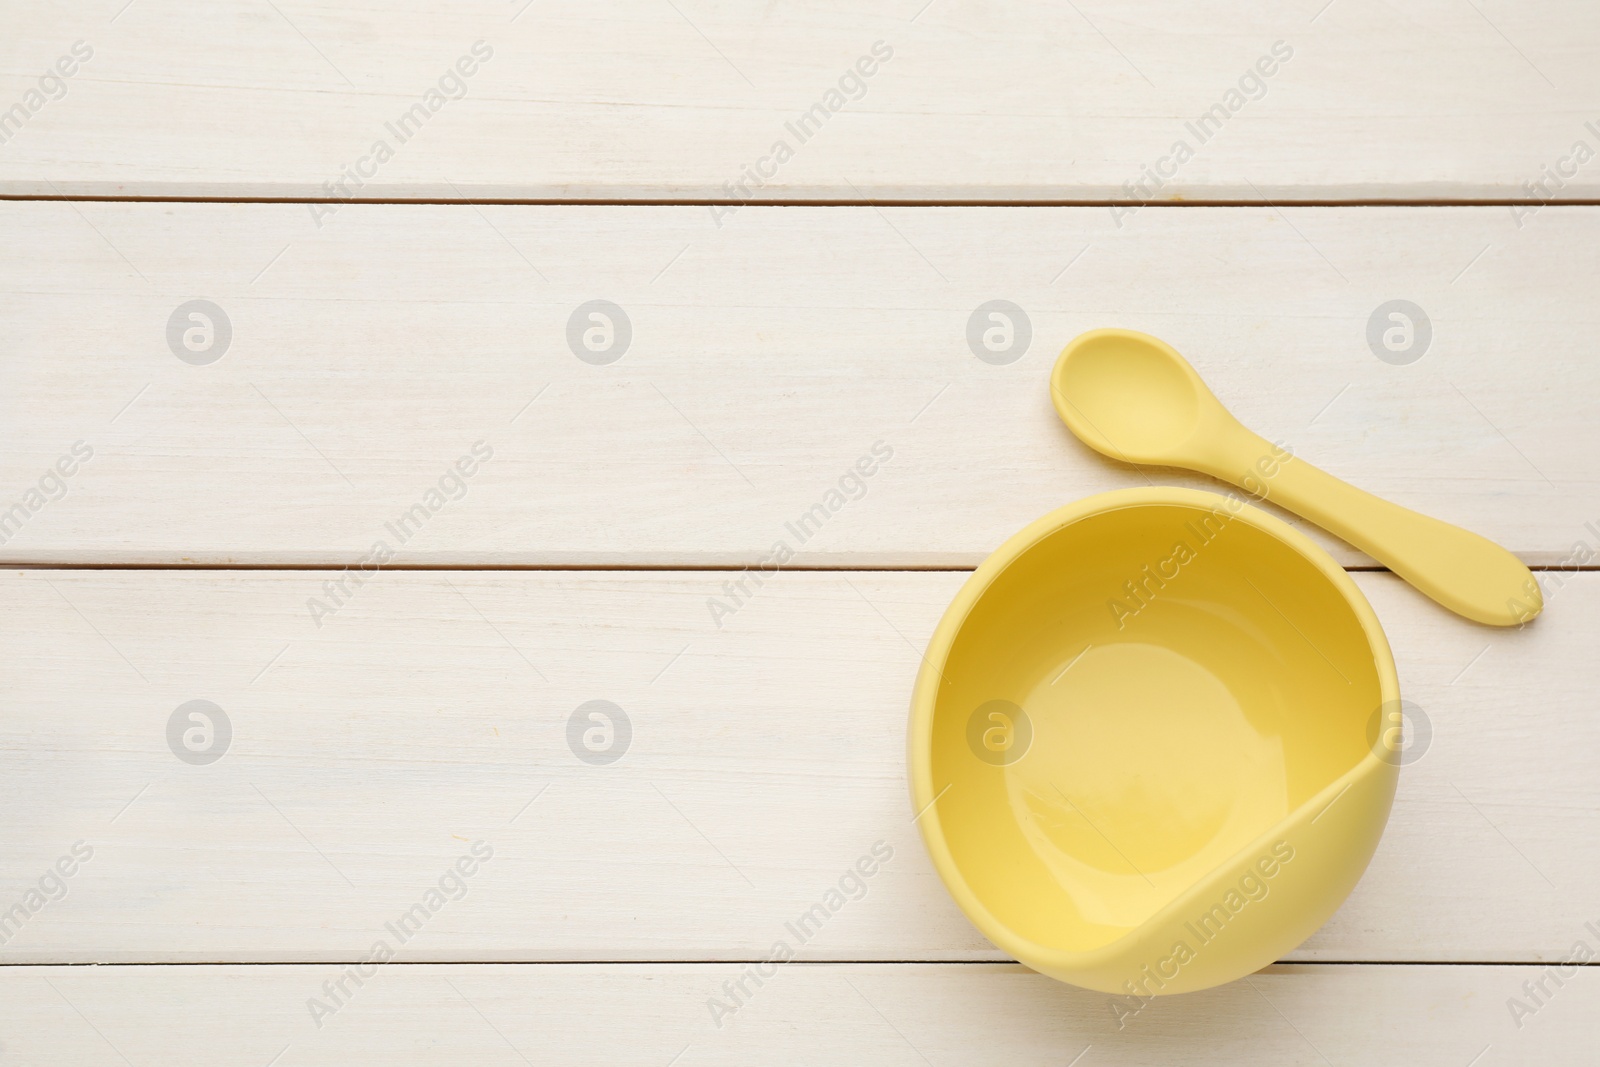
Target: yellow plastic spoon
column 1131, row 396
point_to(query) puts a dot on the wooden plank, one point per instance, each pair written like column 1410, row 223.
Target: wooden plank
column 977, row 101
column 766, row 359
column 839, row 1013
column 432, row 711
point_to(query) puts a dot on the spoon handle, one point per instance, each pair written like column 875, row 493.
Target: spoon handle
column 1468, row 574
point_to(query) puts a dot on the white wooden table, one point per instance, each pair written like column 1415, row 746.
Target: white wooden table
column 191, row 505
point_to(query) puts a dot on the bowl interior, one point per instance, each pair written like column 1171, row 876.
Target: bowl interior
column 1132, row 700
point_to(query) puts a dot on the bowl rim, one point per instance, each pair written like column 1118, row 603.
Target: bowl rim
column 924, row 802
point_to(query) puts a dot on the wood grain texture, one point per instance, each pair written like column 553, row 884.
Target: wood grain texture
column 766, row 358
column 644, row 99
column 431, row 711
column 411, row 734
column 651, row 1015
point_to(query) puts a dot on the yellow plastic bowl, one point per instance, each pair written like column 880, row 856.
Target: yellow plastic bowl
column 1153, row 741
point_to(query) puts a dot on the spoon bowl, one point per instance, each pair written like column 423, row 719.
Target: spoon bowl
column 1129, row 398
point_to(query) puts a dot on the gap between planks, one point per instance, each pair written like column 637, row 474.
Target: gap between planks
column 802, row 202
column 751, row 961
column 821, row 568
